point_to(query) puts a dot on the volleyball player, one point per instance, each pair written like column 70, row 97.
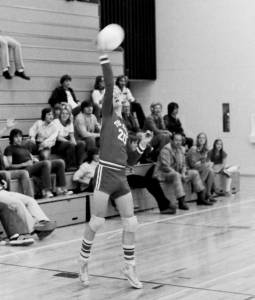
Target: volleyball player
column 110, row 179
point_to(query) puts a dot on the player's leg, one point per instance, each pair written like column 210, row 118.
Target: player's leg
column 130, row 224
column 99, row 208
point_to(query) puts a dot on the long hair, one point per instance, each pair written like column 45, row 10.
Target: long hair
column 171, row 107
column 97, row 82
column 14, row 132
column 118, row 79
column 205, row 146
column 214, row 150
column 69, row 110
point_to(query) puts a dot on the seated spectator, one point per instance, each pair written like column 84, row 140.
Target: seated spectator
column 22, row 216
column 126, row 95
column 97, row 96
column 57, row 110
column 64, row 93
column 43, row 134
column 197, row 158
column 84, row 177
column 219, row 159
column 172, row 123
column 155, row 123
column 66, row 147
column 86, row 127
column 21, row 175
column 154, row 188
column 7, row 44
column 171, row 170
column 19, row 157
column 129, row 120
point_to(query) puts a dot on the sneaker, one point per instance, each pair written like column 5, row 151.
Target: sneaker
column 20, row 240
column 7, row 75
column 84, row 274
column 22, row 75
column 44, row 228
column 60, row 191
column 130, row 273
column 47, row 194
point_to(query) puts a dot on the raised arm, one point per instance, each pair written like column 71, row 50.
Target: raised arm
column 107, row 107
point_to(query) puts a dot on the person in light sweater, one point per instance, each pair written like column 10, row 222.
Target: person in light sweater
column 85, row 174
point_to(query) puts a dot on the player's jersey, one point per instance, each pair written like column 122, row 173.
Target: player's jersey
column 114, row 134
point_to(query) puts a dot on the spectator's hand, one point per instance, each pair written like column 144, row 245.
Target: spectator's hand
column 10, row 123
column 146, row 138
column 35, row 159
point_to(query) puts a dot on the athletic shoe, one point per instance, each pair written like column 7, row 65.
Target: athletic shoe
column 20, row 240
column 44, row 228
column 130, row 273
column 84, row 274
column 47, row 194
column 22, row 75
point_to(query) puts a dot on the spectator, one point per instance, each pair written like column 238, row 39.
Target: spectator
column 172, row 123
column 197, row 158
column 219, row 159
column 98, row 96
column 64, row 93
column 85, row 175
column 130, row 121
column 154, row 188
column 43, row 134
column 126, row 95
column 86, row 127
column 57, row 110
column 19, row 157
column 8, row 43
column 73, row 153
column 171, row 170
column 21, row 175
column 22, row 216
column 155, row 123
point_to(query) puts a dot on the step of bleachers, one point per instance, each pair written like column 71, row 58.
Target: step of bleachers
column 67, row 210
column 57, row 6
column 65, row 32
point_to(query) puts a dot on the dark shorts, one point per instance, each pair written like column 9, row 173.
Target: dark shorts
column 112, row 182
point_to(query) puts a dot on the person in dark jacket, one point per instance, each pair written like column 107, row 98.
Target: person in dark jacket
column 172, row 123
column 64, row 93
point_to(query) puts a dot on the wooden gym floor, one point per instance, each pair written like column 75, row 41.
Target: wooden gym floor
column 205, row 253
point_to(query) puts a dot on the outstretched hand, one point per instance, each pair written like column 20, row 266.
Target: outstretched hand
column 10, row 123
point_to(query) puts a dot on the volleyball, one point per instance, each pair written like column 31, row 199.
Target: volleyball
column 110, row 37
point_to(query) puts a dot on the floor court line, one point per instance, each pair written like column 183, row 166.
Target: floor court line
column 124, row 279
column 200, row 286
column 115, row 232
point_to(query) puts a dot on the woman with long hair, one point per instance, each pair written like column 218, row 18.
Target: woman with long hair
column 218, row 157
column 97, row 96
column 197, row 158
column 66, row 146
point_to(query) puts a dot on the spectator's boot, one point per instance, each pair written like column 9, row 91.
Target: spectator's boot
column 182, row 204
column 201, row 199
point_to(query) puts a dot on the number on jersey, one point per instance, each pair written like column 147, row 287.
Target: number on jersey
column 122, row 136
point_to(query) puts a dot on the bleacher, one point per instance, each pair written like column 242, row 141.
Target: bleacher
column 57, row 38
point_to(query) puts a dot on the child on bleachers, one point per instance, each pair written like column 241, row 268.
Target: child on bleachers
column 97, row 96
column 219, row 157
column 85, row 175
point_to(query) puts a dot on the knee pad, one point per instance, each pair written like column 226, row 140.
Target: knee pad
column 130, row 224
column 96, row 223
